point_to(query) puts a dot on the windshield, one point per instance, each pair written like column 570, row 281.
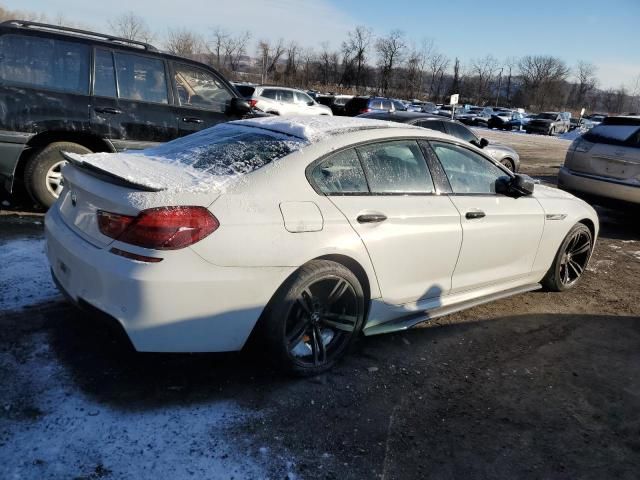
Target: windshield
column 547, row 116
column 227, row 149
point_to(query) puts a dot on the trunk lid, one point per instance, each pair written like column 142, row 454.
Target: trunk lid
column 126, row 184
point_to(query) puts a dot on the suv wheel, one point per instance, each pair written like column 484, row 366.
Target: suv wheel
column 43, row 177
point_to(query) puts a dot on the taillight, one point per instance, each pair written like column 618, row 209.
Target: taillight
column 253, row 103
column 164, row 228
column 364, row 110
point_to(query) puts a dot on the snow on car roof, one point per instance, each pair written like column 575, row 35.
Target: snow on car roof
column 317, row 127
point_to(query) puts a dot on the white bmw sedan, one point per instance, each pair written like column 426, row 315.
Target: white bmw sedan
column 304, row 232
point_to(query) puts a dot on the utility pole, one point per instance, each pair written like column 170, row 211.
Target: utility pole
column 499, row 86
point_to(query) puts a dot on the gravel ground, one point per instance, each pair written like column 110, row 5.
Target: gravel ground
column 536, row 386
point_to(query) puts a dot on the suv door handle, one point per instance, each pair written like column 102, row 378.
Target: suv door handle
column 192, row 120
column 110, row 110
column 371, row 218
column 475, row 214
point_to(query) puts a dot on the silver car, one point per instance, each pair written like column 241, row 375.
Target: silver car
column 603, row 165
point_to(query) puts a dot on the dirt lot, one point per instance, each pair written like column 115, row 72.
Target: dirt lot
column 536, row 386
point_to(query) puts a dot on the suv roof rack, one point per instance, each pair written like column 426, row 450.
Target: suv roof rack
column 77, row 31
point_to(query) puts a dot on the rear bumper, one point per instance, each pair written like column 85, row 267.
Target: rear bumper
column 181, row 304
column 599, row 190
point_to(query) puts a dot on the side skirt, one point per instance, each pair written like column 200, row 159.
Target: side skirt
column 407, row 321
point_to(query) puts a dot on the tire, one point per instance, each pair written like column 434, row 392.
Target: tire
column 552, row 131
column 507, row 162
column 39, row 173
column 294, row 319
column 562, row 275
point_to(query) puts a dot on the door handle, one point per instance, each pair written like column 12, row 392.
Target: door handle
column 475, row 214
column 191, row 120
column 110, row 110
column 371, row 218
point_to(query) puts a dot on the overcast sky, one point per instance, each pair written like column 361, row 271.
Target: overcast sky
column 606, row 33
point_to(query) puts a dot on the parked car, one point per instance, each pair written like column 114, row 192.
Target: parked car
column 429, row 107
column 591, row 121
column 286, row 101
column 365, row 104
column 506, row 120
column 549, row 123
column 335, row 102
column 373, row 227
column 603, row 165
column 475, row 116
column 503, row 154
column 64, row 89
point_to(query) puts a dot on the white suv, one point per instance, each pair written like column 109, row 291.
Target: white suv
column 286, row 101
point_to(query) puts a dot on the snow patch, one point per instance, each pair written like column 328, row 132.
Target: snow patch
column 317, row 127
column 24, row 274
column 70, row 435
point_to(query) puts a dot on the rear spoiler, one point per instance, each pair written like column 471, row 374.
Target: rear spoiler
column 107, row 176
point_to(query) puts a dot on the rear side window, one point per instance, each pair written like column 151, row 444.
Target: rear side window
column 463, row 133
column 105, row 75
column 285, row 96
column 621, row 135
column 141, row 78
column 396, row 167
column 269, row 93
column 45, row 63
column 341, row 173
column 432, row 124
column 245, row 90
column 199, row 88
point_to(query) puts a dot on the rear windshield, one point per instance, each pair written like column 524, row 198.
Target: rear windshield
column 227, row 149
column 625, row 135
column 547, row 116
column 245, row 90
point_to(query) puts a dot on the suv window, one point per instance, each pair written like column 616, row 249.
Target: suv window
column 340, row 173
column 461, row 132
column 467, row 171
column 198, row 88
column 386, row 105
column 621, row 135
column 396, row 167
column 285, row 96
column 269, row 93
column 302, row 98
column 141, row 78
column 45, row 63
column 105, row 75
column 245, row 90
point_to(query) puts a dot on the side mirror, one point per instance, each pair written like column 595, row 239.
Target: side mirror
column 483, row 142
column 518, row 186
column 239, row 106
column 311, row 103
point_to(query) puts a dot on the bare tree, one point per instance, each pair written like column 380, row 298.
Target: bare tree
column 438, row 63
column 483, row 70
column 132, row 27
column 587, row 81
column 219, row 38
column 270, row 56
column 184, row 43
column 291, row 67
column 510, row 64
column 390, row 51
column 357, row 44
column 235, row 48
column 543, row 78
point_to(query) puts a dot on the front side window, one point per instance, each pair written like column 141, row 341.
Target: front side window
column 198, row 88
column 141, row 78
column 461, row 132
column 341, row 173
column 467, row 171
column 396, row 167
column 45, row 63
column 303, row 98
column 386, row 105
column 105, row 75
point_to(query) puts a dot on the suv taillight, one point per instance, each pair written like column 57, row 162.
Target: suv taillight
column 253, row 102
column 581, row 145
column 163, row 228
column 365, row 110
